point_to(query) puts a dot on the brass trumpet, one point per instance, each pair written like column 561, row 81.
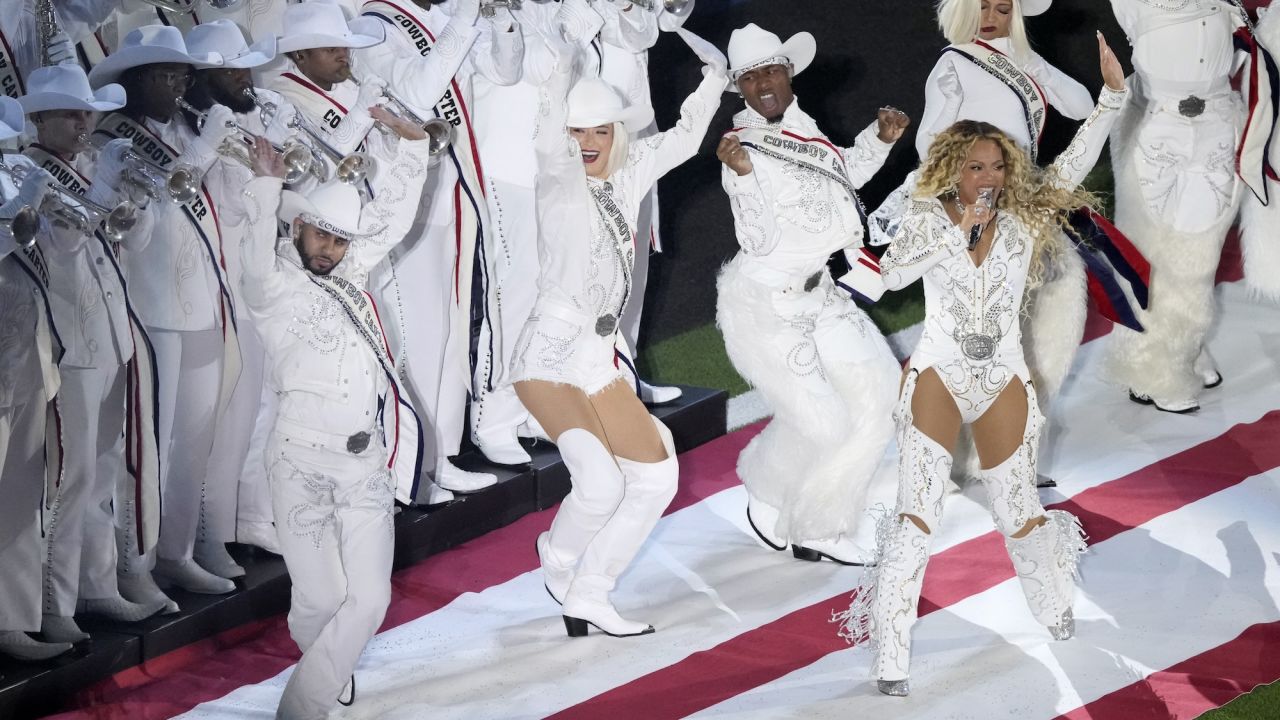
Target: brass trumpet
column 22, row 227
column 185, row 7
column 179, row 184
column 351, row 169
column 297, row 159
column 315, row 163
column 439, row 131
column 68, row 208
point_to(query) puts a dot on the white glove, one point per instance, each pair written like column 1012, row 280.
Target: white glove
column 372, row 89
column 579, row 23
column 61, row 50
column 710, row 55
column 219, row 126
column 278, row 129
column 466, row 11
column 35, row 187
column 111, row 163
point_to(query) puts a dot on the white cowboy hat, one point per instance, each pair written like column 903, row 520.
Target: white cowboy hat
column 333, row 207
column 1031, row 8
column 224, row 39
column 66, row 87
column 13, row 122
column 753, row 46
column 148, row 45
column 593, row 102
column 319, row 24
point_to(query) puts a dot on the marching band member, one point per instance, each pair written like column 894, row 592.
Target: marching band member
column 178, row 283
column 238, row 504
column 1177, row 190
column 432, row 316
column 791, row 330
column 336, row 460
column 28, row 383
column 968, row 368
column 104, row 351
column 622, row 460
column 21, row 36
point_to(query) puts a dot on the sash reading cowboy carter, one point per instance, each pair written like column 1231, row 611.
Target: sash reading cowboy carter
column 1003, row 68
column 471, row 216
column 49, row 350
column 142, row 460
column 404, row 431
column 10, row 80
column 200, row 213
column 816, row 154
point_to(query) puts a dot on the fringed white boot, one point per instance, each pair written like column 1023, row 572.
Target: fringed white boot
column 1046, row 560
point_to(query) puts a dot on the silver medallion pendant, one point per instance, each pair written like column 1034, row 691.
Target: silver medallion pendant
column 357, row 443
column 605, row 325
column 978, row 346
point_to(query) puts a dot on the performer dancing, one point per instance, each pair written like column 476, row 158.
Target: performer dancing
column 975, row 261
column 791, row 330
column 336, row 460
column 989, row 73
column 1177, row 191
column 622, row 459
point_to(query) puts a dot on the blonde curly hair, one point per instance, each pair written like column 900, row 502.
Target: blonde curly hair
column 1031, row 194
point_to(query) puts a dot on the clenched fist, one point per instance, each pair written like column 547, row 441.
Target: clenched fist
column 731, row 153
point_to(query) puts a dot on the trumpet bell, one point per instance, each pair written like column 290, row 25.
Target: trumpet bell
column 297, row 162
column 183, row 185
column 354, row 168
column 122, row 219
column 679, row 8
column 440, row 133
column 24, row 226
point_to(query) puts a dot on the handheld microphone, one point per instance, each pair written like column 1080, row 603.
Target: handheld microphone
column 975, row 232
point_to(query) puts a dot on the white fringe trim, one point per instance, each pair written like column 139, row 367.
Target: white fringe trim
column 856, row 623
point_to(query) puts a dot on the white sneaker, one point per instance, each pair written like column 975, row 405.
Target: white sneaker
column 60, row 629
column 190, row 577
column 437, row 496
column 118, row 609
column 658, row 394
column 455, row 479
column 214, row 558
column 261, row 535
column 17, row 644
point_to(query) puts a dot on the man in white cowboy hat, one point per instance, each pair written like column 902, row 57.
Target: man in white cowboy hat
column 179, row 286
column 433, row 318
column 346, row 442
column 1174, row 153
column 28, row 382
column 238, row 504
column 100, row 340
column 789, row 328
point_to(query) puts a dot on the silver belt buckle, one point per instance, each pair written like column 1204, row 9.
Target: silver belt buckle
column 1191, row 106
column 978, row 347
column 605, row 325
column 357, row 443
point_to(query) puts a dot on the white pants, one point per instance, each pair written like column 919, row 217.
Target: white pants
column 22, row 480
column 829, row 376
column 334, row 512
column 189, row 366
column 232, row 474
column 81, row 561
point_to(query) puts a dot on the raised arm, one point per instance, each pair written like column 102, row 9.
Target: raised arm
column 1065, row 93
column 1071, row 167
column 942, row 99
column 418, row 80
column 628, row 26
column 397, row 193
column 498, row 52
column 866, row 156
column 263, row 283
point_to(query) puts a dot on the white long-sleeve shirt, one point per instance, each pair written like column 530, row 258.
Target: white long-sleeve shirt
column 790, row 219
column 957, row 89
column 963, row 300
column 579, row 261
column 326, row 374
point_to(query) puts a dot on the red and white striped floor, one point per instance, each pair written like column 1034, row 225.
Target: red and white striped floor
column 1178, row 610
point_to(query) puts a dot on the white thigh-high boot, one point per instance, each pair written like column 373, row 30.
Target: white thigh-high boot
column 597, row 492
column 648, row 491
column 884, row 605
column 1045, row 558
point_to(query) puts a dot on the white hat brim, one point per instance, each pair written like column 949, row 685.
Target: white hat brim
column 294, row 204
column 800, row 49
column 13, row 121
column 365, row 32
column 1031, row 8
column 633, row 118
column 260, row 53
column 105, row 99
column 110, row 69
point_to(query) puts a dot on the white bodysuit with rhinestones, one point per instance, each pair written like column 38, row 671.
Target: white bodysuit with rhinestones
column 971, row 336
